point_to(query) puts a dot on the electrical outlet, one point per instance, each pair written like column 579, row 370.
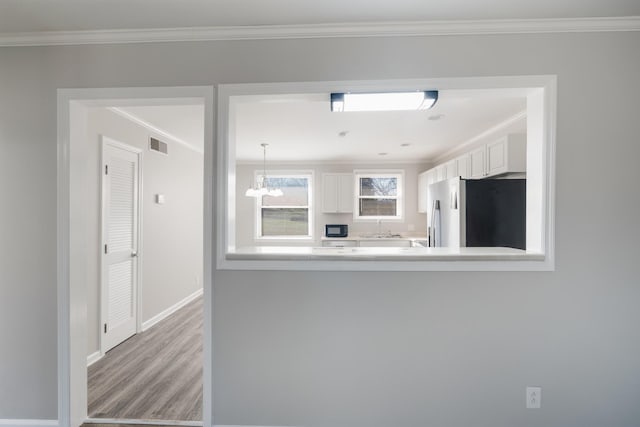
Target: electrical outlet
column 534, row 397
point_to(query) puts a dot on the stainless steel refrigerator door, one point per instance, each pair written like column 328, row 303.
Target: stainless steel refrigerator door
column 448, row 193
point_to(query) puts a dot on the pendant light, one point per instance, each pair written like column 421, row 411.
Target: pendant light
column 261, row 189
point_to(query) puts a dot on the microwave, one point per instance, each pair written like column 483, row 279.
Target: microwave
column 336, row 230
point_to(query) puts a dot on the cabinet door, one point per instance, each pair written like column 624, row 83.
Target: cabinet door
column 329, row 193
column 497, row 157
column 425, row 179
column 477, row 162
column 464, row 166
column 345, row 193
column 441, row 173
column 451, row 169
column 423, row 183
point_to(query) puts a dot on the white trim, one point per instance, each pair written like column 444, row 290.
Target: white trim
column 482, row 135
column 129, row 421
column 316, row 31
column 538, row 259
column 137, row 120
column 169, row 311
column 28, row 423
column 71, row 382
column 94, row 357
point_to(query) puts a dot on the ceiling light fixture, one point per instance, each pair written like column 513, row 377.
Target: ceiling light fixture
column 261, row 188
column 384, row 101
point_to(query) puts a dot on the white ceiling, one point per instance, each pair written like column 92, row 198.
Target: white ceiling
column 302, row 127
column 77, row 15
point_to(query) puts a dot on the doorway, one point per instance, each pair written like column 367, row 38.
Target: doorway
column 73, row 107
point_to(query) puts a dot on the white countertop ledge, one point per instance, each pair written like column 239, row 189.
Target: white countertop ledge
column 287, row 253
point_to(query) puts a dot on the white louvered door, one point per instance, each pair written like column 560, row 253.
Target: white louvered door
column 120, row 199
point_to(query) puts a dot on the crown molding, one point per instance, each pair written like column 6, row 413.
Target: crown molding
column 272, row 32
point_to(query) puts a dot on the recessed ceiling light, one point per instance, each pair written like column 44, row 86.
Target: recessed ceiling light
column 406, row 144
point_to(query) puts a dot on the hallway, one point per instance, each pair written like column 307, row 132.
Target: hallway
column 154, row 375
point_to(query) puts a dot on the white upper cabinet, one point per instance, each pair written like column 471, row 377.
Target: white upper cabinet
column 441, row 173
column 464, row 166
column 451, row 169
column 507, row 155
column 337, row 193
column 477, row 163
column 424, row 180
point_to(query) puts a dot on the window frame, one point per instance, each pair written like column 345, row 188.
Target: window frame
column 542, row 96
column 399, row 197
column 306, row 174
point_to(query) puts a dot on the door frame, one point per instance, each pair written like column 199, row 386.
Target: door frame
column 72, row 107
column 104, row 141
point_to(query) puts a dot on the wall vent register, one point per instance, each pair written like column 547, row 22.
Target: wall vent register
column 159, row 146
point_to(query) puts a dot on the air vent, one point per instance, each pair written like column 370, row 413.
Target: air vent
column 159, row 146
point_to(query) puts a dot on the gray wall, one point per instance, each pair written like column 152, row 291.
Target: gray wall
column 376, row 349
column 245, row 206
column 171, row 233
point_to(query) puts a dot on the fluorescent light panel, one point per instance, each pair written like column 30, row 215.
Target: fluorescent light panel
column 383, row 101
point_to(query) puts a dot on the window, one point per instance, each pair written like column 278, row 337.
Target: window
column 288, row 216
column 378, row 195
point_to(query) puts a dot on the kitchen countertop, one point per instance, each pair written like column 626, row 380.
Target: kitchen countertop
column 379, row 254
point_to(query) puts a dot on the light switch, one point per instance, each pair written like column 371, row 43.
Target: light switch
column 160, row 199
column 534, row 397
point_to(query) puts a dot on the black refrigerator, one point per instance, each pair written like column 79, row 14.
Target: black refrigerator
column 478, row 213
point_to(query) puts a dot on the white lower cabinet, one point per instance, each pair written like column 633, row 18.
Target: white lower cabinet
column 386, row 243
column 339, row 243
column 366, row 243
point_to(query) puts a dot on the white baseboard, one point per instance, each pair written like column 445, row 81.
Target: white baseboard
column 28, row 423
column 169, row 311
column 128, row 421
column 93, row 358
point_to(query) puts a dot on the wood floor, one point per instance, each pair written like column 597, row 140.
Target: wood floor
column 154, row 375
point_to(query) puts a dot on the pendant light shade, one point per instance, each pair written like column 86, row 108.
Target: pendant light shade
column 261, row 188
